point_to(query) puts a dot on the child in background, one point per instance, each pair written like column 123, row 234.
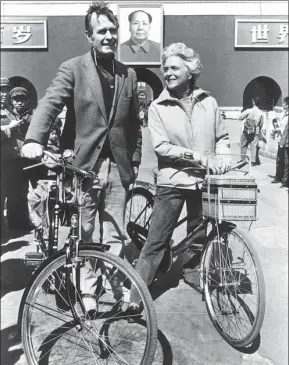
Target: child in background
column 38, row 197
column 53, row 141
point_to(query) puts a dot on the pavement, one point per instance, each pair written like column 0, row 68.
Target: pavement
column 186, row 334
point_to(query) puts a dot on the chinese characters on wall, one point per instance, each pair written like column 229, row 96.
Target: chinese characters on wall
column 269, row 33
column 21, row 34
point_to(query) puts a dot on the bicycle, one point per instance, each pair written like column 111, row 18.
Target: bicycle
column 54, row 323
column 231, row 279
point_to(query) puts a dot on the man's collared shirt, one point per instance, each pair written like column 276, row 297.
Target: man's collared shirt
column 132, row 52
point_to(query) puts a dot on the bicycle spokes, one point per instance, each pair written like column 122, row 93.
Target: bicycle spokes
column 234, row 288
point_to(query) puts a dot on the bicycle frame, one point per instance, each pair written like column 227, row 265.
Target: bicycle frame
column 71, row 245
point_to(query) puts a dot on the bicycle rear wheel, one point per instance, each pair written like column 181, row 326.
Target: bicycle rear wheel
column 50, row 334
column 234, row 286
column 138, row 212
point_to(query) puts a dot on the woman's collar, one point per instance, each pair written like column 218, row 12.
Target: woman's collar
column 166, row 95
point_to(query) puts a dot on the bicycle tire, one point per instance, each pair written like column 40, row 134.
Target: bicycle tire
column 139, row 204
column 41, row 346
column 229, row 292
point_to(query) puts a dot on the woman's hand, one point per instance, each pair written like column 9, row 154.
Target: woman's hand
column 218, row 165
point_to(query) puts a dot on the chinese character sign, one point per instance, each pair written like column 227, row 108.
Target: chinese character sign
column 22, row 34
column 283, row 33
column 262, row 33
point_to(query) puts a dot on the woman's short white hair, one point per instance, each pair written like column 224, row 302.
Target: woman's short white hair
column 190, row 57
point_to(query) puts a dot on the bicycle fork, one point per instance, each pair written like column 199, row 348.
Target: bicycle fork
column 73, row 266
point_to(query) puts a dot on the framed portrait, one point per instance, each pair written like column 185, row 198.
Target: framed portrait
column 140, row 34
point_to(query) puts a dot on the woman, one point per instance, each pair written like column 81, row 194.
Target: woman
column 184, row 119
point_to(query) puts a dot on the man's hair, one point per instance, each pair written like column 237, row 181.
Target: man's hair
column 130, row 17
column 286, row 100
column 99, row 8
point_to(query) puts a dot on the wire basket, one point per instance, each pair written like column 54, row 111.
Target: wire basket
column 232, row 198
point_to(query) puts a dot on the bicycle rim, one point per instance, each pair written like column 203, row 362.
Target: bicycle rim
column 49, row 332
column 139, row 207
column 234, row 287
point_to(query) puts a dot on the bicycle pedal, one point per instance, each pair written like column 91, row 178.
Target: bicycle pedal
column 33, row 258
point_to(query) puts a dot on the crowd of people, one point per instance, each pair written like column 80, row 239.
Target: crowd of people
column 105, row 135
column 15, row 119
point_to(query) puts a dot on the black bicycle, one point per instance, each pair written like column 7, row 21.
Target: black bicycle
column 230, row 275
column 55, row 324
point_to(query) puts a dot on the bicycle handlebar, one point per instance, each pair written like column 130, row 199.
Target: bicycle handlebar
column 196, row 166
column 62, row 162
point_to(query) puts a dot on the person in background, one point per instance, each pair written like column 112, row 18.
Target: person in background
column 102, row 127
column 8, row 119
column 139, row 48
column 183, row 120
column 252, row 131
column 14, row 183
column 38, row 196
column 279, row 133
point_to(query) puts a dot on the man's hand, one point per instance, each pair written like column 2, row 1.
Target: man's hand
column 15, row 123
column 32, row 150
column 6, row 130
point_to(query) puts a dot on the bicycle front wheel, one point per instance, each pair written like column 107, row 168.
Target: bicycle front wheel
column 234, row 286
column 106, row 336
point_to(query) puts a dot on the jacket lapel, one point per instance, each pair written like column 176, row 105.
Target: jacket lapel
column 93, row 81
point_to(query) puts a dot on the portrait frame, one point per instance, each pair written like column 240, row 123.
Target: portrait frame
column 153, row 48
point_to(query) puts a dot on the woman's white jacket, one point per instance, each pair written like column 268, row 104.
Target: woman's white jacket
column 173, row 132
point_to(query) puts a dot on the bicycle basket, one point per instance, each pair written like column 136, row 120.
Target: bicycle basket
column 230, row 198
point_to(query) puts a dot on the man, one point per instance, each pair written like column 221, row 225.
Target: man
column 279, row 133
column 102, row 127
column 14, row 184
column 6, row 114
column 139, row 48
column 252, row 131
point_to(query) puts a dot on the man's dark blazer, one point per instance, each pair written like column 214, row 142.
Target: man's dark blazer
column 77, row 86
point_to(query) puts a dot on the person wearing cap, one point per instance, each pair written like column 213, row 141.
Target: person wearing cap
column 14, row 182
column 8, row 119
column 138, row 48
